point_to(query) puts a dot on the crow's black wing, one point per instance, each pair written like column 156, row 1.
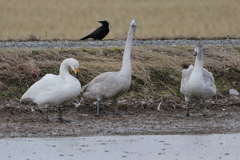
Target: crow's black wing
column 94, row 34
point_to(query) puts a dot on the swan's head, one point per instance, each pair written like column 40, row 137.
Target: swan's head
column 74, row 65
column 198, row 49
column 133, row 23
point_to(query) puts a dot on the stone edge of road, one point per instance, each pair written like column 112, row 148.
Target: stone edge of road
column 111, row 43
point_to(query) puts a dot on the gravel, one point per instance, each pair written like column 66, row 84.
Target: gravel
column 118, row 43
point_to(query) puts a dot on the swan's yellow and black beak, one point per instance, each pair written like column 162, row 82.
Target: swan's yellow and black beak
column 76, row 72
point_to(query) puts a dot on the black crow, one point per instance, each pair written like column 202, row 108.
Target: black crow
column 99, row 33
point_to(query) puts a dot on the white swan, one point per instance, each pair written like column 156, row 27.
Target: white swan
column 113, row 84
column 55, row 90
column 197, row 82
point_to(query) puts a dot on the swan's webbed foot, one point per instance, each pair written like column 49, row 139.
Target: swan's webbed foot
column 187, row 115
column 117, row 113
column 60, row 119
column 97, row 115
column 64, row 120
column 48, row 120
column 204, row 115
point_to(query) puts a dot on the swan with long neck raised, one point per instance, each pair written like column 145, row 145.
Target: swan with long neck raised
column 197, row 82
column 55, row 90
column 113, row 84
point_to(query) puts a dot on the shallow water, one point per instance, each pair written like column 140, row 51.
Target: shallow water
column 176, row 147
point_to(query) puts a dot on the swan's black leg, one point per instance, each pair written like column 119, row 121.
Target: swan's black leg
column 47, row 118
column 60, row 119
column 98, row 107
column 115, row 106
column 206, row 103
column 187, row 114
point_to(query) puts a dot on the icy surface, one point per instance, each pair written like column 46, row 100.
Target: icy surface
column 144, row 147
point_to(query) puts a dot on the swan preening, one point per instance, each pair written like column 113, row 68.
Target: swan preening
column 197, row 82
column 113, row 84
column 55, row 90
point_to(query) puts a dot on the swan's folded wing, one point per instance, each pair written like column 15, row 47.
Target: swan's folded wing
column 106, row 85
column 100, row 78
column 186, row 73
column 97, row 80
column 44, row 86
column 209, row 79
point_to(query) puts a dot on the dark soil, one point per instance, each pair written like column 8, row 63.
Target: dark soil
column 26, row 120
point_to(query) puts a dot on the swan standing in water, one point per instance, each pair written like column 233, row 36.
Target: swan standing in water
column 197, row 82
column 55, row 90
column 113, row 84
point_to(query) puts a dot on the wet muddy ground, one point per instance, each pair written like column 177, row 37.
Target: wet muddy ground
column 27, row 120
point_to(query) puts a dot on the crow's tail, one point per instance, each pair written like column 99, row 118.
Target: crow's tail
column 86, row 37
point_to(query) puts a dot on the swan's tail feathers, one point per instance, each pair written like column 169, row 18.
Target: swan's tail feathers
column 26, row 99
column 84, row 88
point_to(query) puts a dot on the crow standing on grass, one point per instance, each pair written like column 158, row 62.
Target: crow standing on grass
column 99, row 33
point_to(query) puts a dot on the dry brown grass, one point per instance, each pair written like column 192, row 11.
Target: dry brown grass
column 49, row 19
column 156, row 70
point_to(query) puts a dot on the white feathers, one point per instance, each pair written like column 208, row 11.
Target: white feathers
column 197, row 82
column 55, row 90
column 113, row 84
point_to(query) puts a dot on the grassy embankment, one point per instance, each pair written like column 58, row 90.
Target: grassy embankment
column 156, row 70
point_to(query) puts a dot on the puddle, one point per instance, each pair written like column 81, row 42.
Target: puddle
column 142, row 147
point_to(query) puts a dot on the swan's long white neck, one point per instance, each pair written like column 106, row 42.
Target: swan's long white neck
column 64, row 68
column 126, row 63
column 199, row 62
